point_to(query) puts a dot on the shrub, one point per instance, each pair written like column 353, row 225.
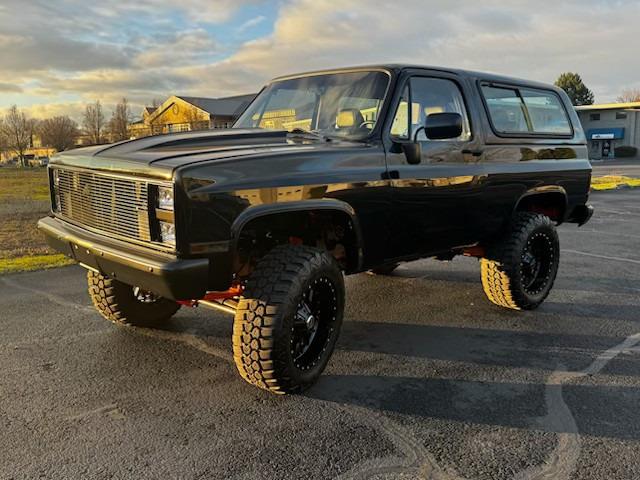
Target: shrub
column 626, row 151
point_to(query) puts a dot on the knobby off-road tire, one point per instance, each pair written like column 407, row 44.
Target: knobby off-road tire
column 122, row 304
column 292, row 290
column 520, row 269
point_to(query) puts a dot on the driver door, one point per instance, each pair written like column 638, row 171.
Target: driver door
column 437, row 203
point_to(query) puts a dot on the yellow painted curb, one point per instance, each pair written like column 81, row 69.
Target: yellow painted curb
column 612, row 182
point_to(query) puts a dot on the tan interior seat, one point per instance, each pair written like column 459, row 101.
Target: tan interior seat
column 349, row 118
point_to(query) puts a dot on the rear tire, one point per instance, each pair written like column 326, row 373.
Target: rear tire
column 288, row 320
column 520, row 269
column 123, row 304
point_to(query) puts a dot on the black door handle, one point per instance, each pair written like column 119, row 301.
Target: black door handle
column 391, row 175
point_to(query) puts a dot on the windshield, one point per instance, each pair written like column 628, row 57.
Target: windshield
column 344, row 105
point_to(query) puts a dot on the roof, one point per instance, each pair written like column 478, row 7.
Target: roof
column 610, row 106
column 150, row 109
column 227, row 106
column 396, row 67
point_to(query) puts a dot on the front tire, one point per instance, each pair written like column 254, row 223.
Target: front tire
column 288, row 320
column 125, row 305
column 520, row 269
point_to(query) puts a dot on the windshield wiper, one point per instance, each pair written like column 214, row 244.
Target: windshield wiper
column 311, row 133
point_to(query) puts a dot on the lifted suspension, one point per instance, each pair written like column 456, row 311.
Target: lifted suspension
column 226, row 301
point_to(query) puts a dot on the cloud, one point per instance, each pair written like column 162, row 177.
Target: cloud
column 10, row 88
column 252, row 22
column 520, row 39
column 176, row 49
column 40, row 111
column 76, row 51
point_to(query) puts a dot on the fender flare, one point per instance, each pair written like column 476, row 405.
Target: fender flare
column 542, row 190
column 328, row 204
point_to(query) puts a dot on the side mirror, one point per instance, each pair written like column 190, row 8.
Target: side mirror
column 413, row 152
column 443, row 126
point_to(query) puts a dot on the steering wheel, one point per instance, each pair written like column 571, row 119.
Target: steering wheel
column 367, row 122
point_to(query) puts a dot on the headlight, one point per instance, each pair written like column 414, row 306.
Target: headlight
column 165, row 198
column 167, row 233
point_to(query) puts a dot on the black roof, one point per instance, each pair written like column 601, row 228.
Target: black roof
column 397, row 67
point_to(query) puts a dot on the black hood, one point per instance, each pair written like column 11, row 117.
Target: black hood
column 159, row 155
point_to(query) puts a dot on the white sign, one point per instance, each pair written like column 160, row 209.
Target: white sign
column 603, row 136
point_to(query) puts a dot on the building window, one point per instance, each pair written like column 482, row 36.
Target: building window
column 594, row 117
column 621, row 115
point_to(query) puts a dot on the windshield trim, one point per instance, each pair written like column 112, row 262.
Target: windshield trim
column 383, row 107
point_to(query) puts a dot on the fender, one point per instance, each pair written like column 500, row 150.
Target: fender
column 328, row 204
column 544, row 190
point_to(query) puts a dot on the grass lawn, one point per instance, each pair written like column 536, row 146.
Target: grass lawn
column 24, row 198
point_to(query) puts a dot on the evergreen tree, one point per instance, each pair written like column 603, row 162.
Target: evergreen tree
column 576, row 89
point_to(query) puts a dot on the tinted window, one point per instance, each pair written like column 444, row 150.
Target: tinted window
column 526, row 110
column 428, row 96
column 546, row 112
column 506, row 110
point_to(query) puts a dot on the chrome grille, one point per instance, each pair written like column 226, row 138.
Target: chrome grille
column 109, row 204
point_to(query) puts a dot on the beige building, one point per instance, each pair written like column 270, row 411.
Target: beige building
column 609, row 126
column 181, row 114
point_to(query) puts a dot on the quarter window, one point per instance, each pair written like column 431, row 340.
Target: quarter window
column 526, row 111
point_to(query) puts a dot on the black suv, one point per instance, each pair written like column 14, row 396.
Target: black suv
column 326, row 173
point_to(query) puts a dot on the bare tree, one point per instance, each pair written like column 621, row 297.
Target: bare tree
column 93, row 122
column 119, row 123
column 3, row 139
column 17, row 130
column 629, row 95
column 58, row 132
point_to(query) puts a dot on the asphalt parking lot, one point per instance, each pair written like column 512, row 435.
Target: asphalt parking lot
column 429, row 380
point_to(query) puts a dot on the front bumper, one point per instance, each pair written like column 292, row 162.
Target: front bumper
column 160, row 273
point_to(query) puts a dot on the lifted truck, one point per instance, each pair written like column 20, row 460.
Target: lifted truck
column 326, row 173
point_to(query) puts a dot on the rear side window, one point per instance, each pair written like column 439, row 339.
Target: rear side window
column 526, row 111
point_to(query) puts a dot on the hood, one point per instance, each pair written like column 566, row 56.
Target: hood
column 158, row 156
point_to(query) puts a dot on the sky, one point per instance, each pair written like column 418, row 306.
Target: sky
column 58, row 55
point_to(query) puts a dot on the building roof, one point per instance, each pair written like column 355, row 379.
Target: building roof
column 150, row 110
column 610, row 106
column 227, row 106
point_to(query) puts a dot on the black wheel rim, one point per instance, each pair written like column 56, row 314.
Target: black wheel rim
column 313, row 323
column 536, row 263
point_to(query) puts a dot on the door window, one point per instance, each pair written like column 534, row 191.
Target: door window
column 428, row 96
column 436, row 95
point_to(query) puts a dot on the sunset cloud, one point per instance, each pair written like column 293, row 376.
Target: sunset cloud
column 152, row 48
